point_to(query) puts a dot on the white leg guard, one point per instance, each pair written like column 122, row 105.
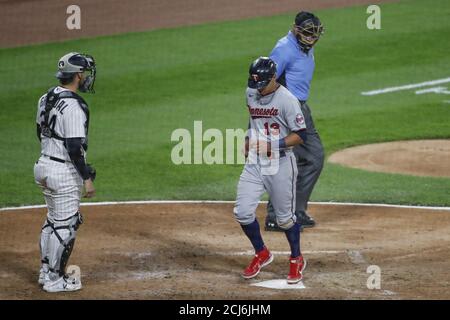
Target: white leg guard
column 44, row 246
column 60, row 245
column 44, row 241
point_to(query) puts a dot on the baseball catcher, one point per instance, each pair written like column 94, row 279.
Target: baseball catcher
column 61, row 171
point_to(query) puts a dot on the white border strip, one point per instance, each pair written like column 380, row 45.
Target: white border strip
column 406, row 87
column 112, row 203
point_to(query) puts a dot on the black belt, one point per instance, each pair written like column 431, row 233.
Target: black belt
column 55, row 159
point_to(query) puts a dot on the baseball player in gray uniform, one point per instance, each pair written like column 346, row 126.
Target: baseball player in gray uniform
column 276, row 125
column 61, row 171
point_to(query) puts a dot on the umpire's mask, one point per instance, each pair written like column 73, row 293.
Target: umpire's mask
column 309, row 29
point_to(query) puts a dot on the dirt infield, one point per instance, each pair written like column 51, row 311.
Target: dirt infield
column 197, row 251
column 39, row 21
column 417, row 157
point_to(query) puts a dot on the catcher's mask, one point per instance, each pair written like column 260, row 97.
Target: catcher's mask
column 261, row 72
column 308, row 30
column 75, row 62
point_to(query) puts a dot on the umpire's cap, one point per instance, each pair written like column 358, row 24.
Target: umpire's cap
column 261, row 71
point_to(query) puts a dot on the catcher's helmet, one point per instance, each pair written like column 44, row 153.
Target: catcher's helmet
column 261, row 71
column 75, row 62
column 309, row 29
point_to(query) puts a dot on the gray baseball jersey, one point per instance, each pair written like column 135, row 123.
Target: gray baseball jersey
column 276, row 115
column 272, row 117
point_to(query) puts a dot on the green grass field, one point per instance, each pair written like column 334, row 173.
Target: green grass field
column 154, row 82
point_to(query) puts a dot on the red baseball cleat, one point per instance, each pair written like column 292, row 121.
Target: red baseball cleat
column 261, row 259
column 297, row 265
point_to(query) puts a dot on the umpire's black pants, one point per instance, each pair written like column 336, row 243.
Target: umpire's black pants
column 310, row 157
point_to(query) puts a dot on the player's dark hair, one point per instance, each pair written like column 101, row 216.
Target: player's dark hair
column 67, row 79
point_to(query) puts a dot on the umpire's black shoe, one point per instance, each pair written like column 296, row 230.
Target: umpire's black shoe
column 305, row 220
column 273, row 226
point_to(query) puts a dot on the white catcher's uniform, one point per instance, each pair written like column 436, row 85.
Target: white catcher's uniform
column 272, row 117
column 60, row 182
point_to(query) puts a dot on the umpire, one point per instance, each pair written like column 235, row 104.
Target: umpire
column 294, row 56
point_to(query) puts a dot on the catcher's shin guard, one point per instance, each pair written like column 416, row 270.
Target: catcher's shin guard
column 61, row 243
column 46, row 232
column 43, row 247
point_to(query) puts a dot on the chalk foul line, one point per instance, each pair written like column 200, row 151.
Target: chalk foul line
column 405, row 87
column 144, row 202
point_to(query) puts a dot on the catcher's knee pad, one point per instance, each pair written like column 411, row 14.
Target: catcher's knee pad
column 286, row 224
column 61, row 242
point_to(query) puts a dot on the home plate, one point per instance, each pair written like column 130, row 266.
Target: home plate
column 279, row 284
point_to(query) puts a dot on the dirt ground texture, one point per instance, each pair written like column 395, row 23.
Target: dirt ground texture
column 38, row 21
column 416, row 157
column 197, row 251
